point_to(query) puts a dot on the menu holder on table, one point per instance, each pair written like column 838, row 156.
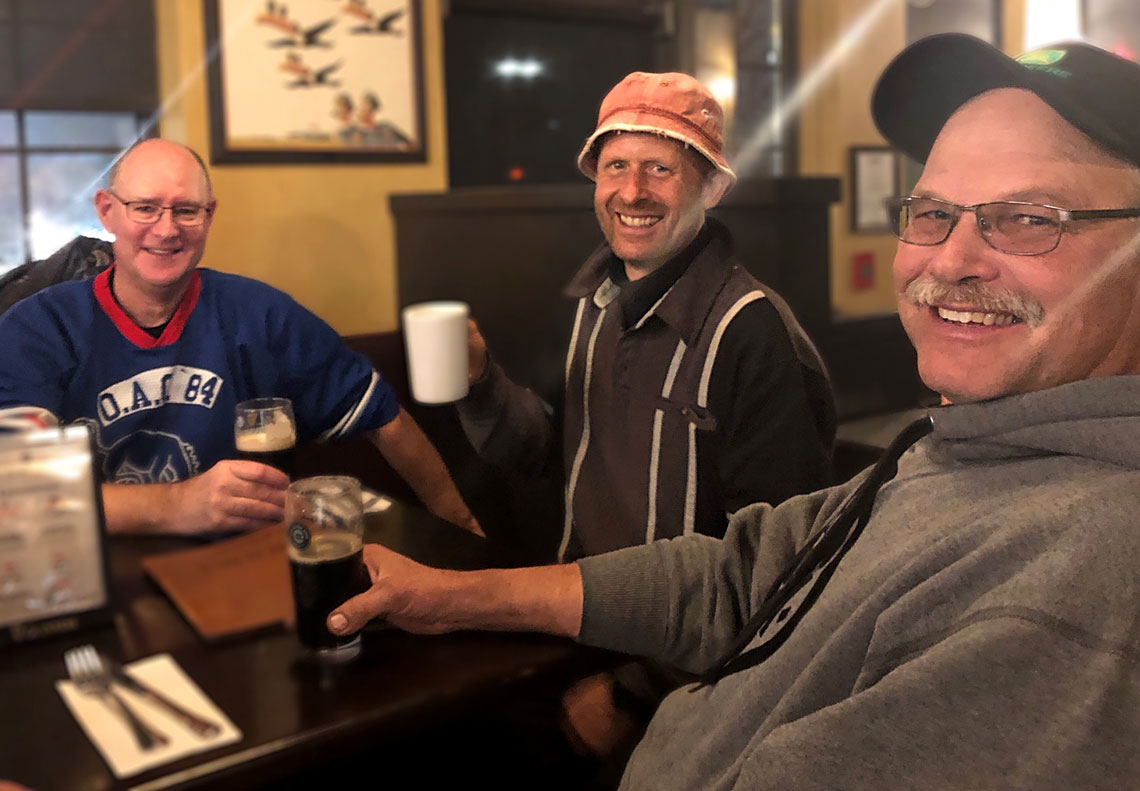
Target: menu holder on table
column 53, row 565
column 229, row 587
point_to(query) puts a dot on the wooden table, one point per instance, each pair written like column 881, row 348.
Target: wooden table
column 292, row 714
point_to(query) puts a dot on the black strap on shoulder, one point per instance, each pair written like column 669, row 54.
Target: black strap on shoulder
column 812, row 567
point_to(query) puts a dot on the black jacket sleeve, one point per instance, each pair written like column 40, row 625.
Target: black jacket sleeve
column 775, row 415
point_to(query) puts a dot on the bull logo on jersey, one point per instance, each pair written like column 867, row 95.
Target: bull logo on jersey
column 159, row 471
column 149, row 457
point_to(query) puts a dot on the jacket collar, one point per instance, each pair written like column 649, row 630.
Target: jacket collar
column 681, row 293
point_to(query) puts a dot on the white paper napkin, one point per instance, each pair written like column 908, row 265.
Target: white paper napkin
column 115, row 741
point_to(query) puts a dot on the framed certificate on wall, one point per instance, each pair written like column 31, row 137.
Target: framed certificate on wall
column 53, row 560
column 874, row 179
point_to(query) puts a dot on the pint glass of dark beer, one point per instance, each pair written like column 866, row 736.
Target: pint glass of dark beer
column 265, row 431
column 326, row 555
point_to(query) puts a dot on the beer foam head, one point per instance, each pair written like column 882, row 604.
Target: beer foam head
column 267, row 438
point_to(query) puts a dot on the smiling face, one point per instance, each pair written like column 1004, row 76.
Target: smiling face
column 986, row 323
column 161, row 256
column 650, row 197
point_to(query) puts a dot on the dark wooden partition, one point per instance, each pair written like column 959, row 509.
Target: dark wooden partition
column 508, row 252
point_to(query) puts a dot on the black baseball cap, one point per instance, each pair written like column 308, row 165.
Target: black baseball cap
column 1094, row 90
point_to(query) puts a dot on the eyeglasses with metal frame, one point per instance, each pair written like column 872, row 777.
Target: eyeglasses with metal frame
column 1013, row 227
column 187, row 215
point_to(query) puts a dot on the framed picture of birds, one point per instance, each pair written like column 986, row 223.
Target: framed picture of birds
column 315, row 81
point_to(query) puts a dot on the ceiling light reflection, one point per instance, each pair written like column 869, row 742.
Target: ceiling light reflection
column 723, row 89
column 524, row 68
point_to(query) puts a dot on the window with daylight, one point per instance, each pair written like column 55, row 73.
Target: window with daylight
column 51, row 163
column 78, row 83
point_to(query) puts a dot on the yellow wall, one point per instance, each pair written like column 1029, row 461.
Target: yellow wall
column 838, row 116
column 323, row 233
column 1013, row 26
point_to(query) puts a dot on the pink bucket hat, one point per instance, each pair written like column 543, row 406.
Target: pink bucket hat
column 674, row 105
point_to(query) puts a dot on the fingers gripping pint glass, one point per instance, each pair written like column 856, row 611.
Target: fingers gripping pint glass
column 325, row 524
column 265, row 431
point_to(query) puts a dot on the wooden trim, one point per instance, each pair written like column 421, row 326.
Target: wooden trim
column 647, row 16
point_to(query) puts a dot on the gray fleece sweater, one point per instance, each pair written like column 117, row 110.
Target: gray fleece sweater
column 984, row 631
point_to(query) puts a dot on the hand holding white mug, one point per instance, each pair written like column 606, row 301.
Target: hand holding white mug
column 436, row 338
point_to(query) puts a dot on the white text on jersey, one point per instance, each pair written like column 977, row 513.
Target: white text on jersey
column 174, row 384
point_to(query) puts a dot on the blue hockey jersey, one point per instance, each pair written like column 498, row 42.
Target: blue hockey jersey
column 162, row 409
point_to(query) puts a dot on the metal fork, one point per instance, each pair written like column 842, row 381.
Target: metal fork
column 90, row 676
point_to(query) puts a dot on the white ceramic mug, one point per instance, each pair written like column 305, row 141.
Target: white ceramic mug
column 435, row 338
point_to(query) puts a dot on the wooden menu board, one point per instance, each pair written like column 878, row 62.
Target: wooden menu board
column 229, row 587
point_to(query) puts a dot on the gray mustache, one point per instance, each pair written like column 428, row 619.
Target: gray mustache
column 926, row 290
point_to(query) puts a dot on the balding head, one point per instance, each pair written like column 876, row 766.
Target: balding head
column 155, row 148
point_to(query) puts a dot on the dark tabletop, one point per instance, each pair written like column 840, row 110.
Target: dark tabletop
column 292, row 714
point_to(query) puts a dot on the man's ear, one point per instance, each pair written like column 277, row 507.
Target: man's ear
column 104, row 203
column 716, row 184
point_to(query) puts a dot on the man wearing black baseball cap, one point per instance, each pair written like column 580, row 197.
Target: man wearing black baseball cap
column 966, row 614
column 1040, row 155
column 1090, row 88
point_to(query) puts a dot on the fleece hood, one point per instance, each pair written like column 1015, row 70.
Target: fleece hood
column 1093, row 418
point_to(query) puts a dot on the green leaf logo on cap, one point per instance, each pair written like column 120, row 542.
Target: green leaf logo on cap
column 1041, row 57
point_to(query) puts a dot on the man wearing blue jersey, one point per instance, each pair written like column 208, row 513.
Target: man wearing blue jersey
column 154, row 354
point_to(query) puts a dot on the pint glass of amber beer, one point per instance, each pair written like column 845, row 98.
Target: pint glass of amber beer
column 266, row 431
column 325, row 524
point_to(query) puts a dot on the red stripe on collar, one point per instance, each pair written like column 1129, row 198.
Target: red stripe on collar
column 136, row 334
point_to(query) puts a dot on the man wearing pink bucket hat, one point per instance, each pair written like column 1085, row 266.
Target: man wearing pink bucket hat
column 670, row 105
column 690, row 391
